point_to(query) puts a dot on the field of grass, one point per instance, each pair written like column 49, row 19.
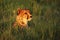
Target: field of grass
column 45, row 23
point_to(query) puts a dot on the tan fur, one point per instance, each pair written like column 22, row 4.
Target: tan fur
column 23, row 16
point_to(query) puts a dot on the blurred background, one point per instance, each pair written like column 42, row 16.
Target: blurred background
column 45, row 24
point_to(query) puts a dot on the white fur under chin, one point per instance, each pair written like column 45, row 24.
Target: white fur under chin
column 29, row 19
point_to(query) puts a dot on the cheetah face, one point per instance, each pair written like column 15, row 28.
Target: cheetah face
column 23, row 16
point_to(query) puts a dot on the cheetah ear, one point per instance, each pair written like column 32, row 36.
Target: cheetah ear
column 18, row 11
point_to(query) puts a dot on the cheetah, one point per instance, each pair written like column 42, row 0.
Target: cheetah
column 23, row 16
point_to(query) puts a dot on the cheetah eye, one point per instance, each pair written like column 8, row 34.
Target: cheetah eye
column 25, row 13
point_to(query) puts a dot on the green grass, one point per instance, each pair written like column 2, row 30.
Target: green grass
column 45, row 23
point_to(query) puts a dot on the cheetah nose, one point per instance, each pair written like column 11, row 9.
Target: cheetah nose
column 31, row 16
